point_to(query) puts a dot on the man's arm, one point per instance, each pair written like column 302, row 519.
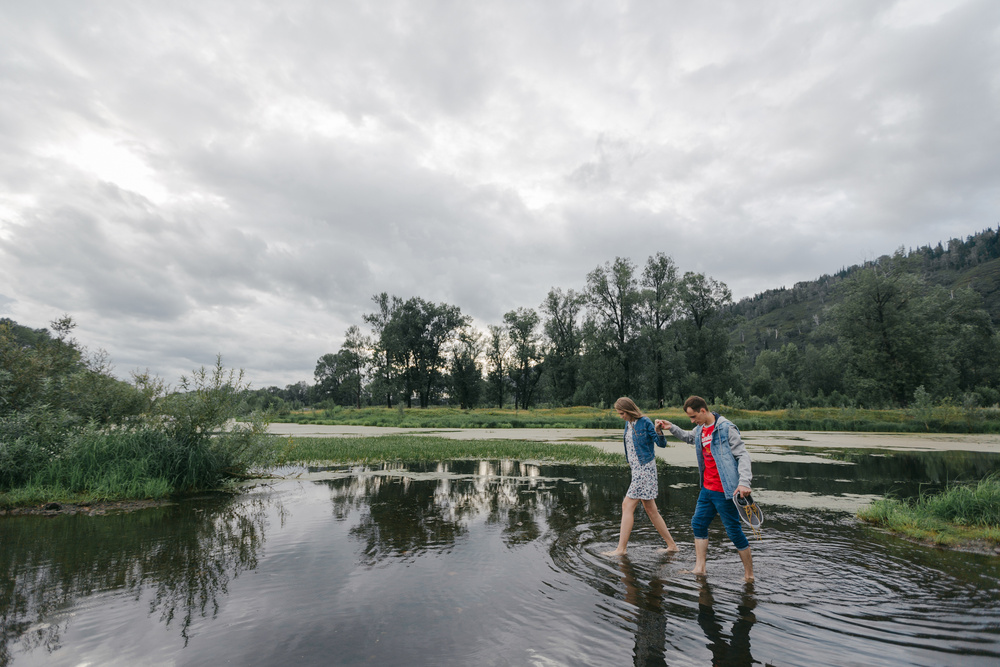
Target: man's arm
column 677, row 431
column 656, row 434
column 742, row 456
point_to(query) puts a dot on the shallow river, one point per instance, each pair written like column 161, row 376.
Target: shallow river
column 498, row 563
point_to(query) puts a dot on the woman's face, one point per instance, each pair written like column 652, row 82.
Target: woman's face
column 621, row 413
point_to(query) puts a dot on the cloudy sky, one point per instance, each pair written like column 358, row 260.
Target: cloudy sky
column 193, row 178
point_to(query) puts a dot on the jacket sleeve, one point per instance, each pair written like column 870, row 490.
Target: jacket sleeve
column 681, row 434
column 740, row 453
column 649, row 430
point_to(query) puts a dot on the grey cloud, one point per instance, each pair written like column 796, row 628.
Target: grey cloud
column 303, row 156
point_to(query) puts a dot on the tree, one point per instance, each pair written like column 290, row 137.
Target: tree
column 522, row 328
column 562, row 354
column 419, row 330
column 613, row 296
column 466, row 372
column 385, row 366
column 355, row 357
column 331, row 372
column 498, row 346
column 705, row 338
column 900, row 334
column 658, row 300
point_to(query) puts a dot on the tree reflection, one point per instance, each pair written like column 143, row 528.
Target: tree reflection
column 415, row 510
column 185, row 556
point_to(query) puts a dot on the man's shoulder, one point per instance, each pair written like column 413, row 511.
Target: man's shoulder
column 720, row 420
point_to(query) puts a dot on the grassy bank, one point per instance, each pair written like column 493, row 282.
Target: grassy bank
column 93, row 464
column 411, row 448
column 943, row 419
column 960, row 515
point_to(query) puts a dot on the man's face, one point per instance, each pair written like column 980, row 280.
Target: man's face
column 700, row 417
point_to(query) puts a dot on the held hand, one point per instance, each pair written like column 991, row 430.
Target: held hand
column 662, row 424
column 743, row 490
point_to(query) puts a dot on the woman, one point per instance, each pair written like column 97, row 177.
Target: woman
column 640, row 438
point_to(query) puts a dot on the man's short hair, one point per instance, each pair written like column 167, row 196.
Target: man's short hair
column 696, row 403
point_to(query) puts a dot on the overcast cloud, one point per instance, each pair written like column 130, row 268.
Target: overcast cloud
column 193, row 178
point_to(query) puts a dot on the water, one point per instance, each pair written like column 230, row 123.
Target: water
column 498, row 563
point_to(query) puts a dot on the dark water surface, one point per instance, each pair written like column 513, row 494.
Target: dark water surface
column 498, row 563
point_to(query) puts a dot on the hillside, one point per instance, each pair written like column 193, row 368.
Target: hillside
column 795, row 315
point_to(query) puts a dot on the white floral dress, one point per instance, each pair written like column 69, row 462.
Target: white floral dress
column 643, row 486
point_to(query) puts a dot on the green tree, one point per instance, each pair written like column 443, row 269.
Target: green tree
column 498, row 345
column 522, row 328
column 465, row 370
column 420, row 331
column 657, row 303
column 385, row 365
column 703, row 335
column 613, row 298
column 340, row 377
column 884, row 324
column 562, row 331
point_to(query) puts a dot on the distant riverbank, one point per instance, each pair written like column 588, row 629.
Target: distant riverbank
column 936, row 419
column 759, row 442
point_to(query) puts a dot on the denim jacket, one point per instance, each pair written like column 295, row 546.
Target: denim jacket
column 731, row 457
column 644, row 438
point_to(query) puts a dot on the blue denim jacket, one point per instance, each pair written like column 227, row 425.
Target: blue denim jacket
column 644, row 439
column 728, row 450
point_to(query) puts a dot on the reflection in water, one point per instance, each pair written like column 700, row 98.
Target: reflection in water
column 400, row 516
column 651, row 621
column 904, row 474
column 733, row 650
column 184, row 556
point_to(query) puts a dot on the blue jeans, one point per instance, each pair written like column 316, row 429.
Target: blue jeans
column 711, row 503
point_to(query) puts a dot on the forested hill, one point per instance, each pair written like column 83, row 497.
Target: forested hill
column 789, row 315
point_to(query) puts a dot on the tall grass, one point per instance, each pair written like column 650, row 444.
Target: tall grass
column 142, row 462
column 942, row 419
column 959, row 513
column 410, row 448
column 448, row 417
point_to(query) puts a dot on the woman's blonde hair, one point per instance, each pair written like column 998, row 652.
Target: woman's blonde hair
column 628, row 406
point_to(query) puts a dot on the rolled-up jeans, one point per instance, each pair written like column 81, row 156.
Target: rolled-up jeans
column 711, row 503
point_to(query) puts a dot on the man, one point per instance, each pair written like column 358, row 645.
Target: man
column 724, row 470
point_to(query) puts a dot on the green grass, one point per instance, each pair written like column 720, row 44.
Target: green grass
column 958, row 515
column 95, row 464
column 943, row 419
column 413, row 448
column 448, row 417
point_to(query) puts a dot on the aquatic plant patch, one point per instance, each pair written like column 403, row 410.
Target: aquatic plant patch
column 432, row 448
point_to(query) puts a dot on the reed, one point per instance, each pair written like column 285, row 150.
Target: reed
column 411, row 448
column 144, row 462
column 942, row 419
column 960, row 513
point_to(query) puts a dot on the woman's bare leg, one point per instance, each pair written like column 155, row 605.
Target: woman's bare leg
column 659, row 523
column 628, row 519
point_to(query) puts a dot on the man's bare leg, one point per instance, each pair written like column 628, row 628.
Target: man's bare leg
column 700, row 555
column 659, row 523
column 747, row 564
column 628, row 519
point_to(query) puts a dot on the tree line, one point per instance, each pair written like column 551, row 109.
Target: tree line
column 883, row 334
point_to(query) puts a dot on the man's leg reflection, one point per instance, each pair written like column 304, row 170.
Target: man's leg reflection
column 651, row 622
column 735, row 651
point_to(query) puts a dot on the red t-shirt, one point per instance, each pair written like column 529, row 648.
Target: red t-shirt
column 711, row 481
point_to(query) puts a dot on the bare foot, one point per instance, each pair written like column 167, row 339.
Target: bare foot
column 668, row 550
column 697, row 573
column 748, row 579
column 616, row 552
